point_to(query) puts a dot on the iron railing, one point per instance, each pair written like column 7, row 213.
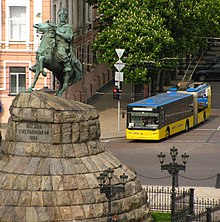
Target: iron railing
column 187, row 208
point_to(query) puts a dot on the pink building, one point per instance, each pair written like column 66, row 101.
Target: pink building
column 19, row 42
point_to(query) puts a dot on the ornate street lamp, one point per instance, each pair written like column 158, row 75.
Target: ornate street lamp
column 109, row 189
column 173, row 169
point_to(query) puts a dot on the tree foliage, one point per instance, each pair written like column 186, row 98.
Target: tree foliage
column 92, row 2
column 151, row 31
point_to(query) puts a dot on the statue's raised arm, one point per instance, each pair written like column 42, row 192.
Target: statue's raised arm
column 56, row 53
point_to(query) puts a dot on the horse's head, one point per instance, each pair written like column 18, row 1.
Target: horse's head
column 45, row 27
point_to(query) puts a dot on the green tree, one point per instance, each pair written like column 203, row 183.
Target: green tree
column 153, row 32
column 132, row 26
column 189, row 22
column 92, row 2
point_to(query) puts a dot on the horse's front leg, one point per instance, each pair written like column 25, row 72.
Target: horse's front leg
column 39, row 67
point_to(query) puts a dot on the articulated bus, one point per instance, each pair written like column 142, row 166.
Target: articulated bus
column 158, row 117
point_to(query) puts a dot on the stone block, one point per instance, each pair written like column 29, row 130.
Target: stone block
column 63, row 198
column 57, row 183
column 56, row 167
column 66, row 133
column 10, row 132
column 56, row 134
column 21, row 183
column 76, row 197
column 78, row 212
column 28, row 114
column 89, row 211
column 25, row 199
column 66, row 213
column 31, row 214
column 49, row 199
column 44, row 167
column 56, row 151
column 44, row 115
column 19, row 214
column 36, row 199
column 33, row 164
column 68, row 150
column 68, row 166
column 69, row 182
column 46, row 183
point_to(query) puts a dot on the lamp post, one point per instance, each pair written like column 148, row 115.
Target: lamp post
column 109, row 189
column 173, row 169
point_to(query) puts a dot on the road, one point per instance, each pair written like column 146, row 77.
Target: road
column 202, row 143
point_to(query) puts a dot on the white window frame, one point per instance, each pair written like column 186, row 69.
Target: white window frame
column 16, row 25
column 24, row 3
column 17, row 75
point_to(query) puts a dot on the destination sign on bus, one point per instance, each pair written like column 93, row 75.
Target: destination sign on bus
column 150, row 114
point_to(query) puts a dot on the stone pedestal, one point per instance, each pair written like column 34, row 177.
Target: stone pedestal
column 49, row 162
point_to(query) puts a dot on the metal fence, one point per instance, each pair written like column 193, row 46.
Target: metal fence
column 187, row 208
column 206, row 210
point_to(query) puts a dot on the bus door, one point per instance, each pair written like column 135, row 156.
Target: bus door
column 195, row 108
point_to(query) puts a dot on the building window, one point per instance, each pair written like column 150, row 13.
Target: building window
column 17, row 80
column 17, row 22
column 88, row 11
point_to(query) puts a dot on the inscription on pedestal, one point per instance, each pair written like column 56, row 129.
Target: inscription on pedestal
column 33, row 132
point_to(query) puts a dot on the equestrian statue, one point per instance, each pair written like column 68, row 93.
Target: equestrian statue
column 56, row 53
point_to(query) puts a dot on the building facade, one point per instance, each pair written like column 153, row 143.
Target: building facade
column 19, row 42
column 83, row 19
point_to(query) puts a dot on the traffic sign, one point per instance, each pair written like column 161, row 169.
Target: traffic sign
column 119, row 76
column 119, row 65
column 119, row 52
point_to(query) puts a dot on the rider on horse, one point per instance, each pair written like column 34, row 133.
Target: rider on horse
column 56, row 53
column 64, row 39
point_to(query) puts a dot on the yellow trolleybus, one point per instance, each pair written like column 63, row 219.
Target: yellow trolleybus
column 165, row 114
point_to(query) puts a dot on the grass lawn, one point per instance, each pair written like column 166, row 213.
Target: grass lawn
column 161, row 217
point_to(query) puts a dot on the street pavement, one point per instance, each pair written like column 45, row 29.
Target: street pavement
column 107, row 108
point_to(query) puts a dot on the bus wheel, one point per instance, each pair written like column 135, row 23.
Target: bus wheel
column 187, row 126
column 167, row 133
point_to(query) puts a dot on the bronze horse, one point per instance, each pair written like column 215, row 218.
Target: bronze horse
column 46, row 57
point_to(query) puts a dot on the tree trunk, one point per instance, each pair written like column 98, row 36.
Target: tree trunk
column 161, row 81
column 154, row 84
column 168, row 78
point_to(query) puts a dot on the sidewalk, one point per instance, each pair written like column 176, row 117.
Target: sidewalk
column 112, row 125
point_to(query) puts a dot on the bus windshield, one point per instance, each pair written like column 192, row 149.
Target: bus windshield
column 143, row 120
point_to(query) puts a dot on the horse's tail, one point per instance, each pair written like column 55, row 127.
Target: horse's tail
column 77, row 72
column 77, row 66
